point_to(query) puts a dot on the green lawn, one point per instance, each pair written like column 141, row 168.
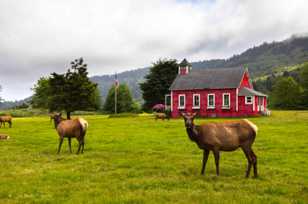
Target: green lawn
column 140, row 160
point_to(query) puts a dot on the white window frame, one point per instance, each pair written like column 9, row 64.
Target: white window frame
column 246, row 101
column 194, row 105
column 166, row 96
column 179, row 101
column 208, row 101
column 223, row 101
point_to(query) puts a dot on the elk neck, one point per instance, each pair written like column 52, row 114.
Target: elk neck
column 193, row 132
column 56, row 123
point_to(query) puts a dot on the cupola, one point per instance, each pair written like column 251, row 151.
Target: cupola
column 184, row 67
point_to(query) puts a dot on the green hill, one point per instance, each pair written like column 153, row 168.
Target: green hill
column 261, row 60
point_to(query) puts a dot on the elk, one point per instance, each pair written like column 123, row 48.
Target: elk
column 225, row 136
column 4, row 137
column 71, row 128
column 162, row 116
column 6, row 119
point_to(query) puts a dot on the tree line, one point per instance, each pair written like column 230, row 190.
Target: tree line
column 288, row 90
column 74, row 90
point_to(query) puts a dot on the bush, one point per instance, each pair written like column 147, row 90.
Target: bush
column 24, row 112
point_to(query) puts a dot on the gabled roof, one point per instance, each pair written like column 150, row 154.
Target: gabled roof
column 249, row 92
column 184, row 63
column 217, row 78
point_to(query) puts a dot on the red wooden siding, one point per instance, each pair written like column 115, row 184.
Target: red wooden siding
column 203, row 110
column 183, row 70
column 238, row 106
column 245, row 81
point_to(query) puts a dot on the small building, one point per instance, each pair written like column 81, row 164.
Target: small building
column 219, row 92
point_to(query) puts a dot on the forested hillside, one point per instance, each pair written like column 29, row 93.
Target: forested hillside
column 261, row 60
column 131, row 78
column 264, row 58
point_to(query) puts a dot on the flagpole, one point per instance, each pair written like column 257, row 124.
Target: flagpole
column 115, row 95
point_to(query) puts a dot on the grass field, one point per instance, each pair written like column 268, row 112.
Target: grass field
column 138, row 160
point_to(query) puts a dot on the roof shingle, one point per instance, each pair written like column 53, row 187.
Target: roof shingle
column 217, row 78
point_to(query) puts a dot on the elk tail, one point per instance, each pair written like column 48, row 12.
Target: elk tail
column 253, row 126
column 84, row 125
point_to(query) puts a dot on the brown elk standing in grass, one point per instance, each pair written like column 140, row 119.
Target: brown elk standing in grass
column 71, row 128
column 6, row 119
column 226, row 136
column 162, row 116
column 4, row 137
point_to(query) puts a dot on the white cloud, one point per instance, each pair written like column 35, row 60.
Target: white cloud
column 41, row 36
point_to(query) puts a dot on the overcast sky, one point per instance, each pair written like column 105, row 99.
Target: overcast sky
column 38, row 37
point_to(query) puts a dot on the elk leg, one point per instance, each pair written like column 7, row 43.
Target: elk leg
column 10, row 124
column 205, row 158
column 60, row 144
column 216, row 155
column 248, row 156
column 82, row 146
column 254, row 162
column 70, row 144
column 79, row 147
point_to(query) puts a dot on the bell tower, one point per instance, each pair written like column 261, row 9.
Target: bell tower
column 184, row 67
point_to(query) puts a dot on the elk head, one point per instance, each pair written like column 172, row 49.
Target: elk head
column 57, row 119
column 189, row 119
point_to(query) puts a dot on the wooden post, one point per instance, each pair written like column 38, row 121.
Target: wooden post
column 115, row 99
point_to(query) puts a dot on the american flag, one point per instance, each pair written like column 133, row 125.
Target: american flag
column 116, row 81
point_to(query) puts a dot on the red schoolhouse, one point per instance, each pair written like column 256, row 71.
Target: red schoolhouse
column 219, row 92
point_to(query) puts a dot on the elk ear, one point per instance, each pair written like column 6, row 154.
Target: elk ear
column 183, row 114
column 194, row 114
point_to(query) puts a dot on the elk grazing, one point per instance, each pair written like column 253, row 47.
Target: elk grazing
column 71, row 128
column 4, row 137
column 162, row 116
column 6, row 119
column 226, row 136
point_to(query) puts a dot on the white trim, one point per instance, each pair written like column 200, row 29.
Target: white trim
column 208, row 105
column 193, row 106
column 262, row 104
column 171, row 101
column 223, row 101
column 186, row 68
column 181, row 107
column 248, row 103
column 236, row 100
column 167, row 95
column 253, row 103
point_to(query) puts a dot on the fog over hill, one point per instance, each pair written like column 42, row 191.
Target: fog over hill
column 260, row 60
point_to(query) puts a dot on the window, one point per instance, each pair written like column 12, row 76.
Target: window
column 211, row 101
column 167, row 100
column 226, row 100
column 181, row 101
column 248, row 100
column 196, row 100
